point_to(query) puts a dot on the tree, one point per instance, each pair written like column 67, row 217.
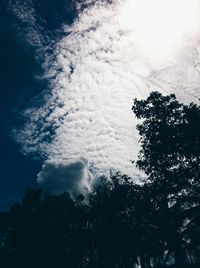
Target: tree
column 45, row 231
column 170, row 157
column 112, row 222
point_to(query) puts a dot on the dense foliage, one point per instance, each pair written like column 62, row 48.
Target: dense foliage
column 120, row 224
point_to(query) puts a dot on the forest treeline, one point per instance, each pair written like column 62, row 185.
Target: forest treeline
column 120, row 224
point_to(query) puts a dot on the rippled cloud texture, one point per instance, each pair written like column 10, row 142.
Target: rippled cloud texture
column 95, row 71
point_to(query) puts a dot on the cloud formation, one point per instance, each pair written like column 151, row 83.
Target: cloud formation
column 58, row 177
column 96, row 70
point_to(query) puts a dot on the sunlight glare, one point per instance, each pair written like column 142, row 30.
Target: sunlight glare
column 159, row 24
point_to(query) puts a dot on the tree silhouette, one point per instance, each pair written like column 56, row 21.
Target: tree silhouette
column 112, row 215
column 170, row 156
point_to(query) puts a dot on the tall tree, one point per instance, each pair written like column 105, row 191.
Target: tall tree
column 170, row 157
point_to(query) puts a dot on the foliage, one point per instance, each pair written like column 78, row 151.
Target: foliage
column 170, row 156
column 170, row 140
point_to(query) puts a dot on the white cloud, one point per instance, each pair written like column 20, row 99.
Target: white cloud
column 98, row 70
column 28, row 28
column 58, row 177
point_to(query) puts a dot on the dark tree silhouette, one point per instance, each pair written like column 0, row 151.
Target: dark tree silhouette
column 170, row 156
column 112, row 216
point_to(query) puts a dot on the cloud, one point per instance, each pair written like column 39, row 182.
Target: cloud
column 88, row 110
column 182, row 75
column 58, row 177
column 97, row 69
column 30, row 32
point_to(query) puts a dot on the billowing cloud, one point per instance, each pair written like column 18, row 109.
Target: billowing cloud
column 57, row 177
column 96, row 70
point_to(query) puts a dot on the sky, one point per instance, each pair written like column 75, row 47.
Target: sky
column 69, row 71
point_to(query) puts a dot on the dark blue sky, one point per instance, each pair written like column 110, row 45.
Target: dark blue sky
column 18, row 87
